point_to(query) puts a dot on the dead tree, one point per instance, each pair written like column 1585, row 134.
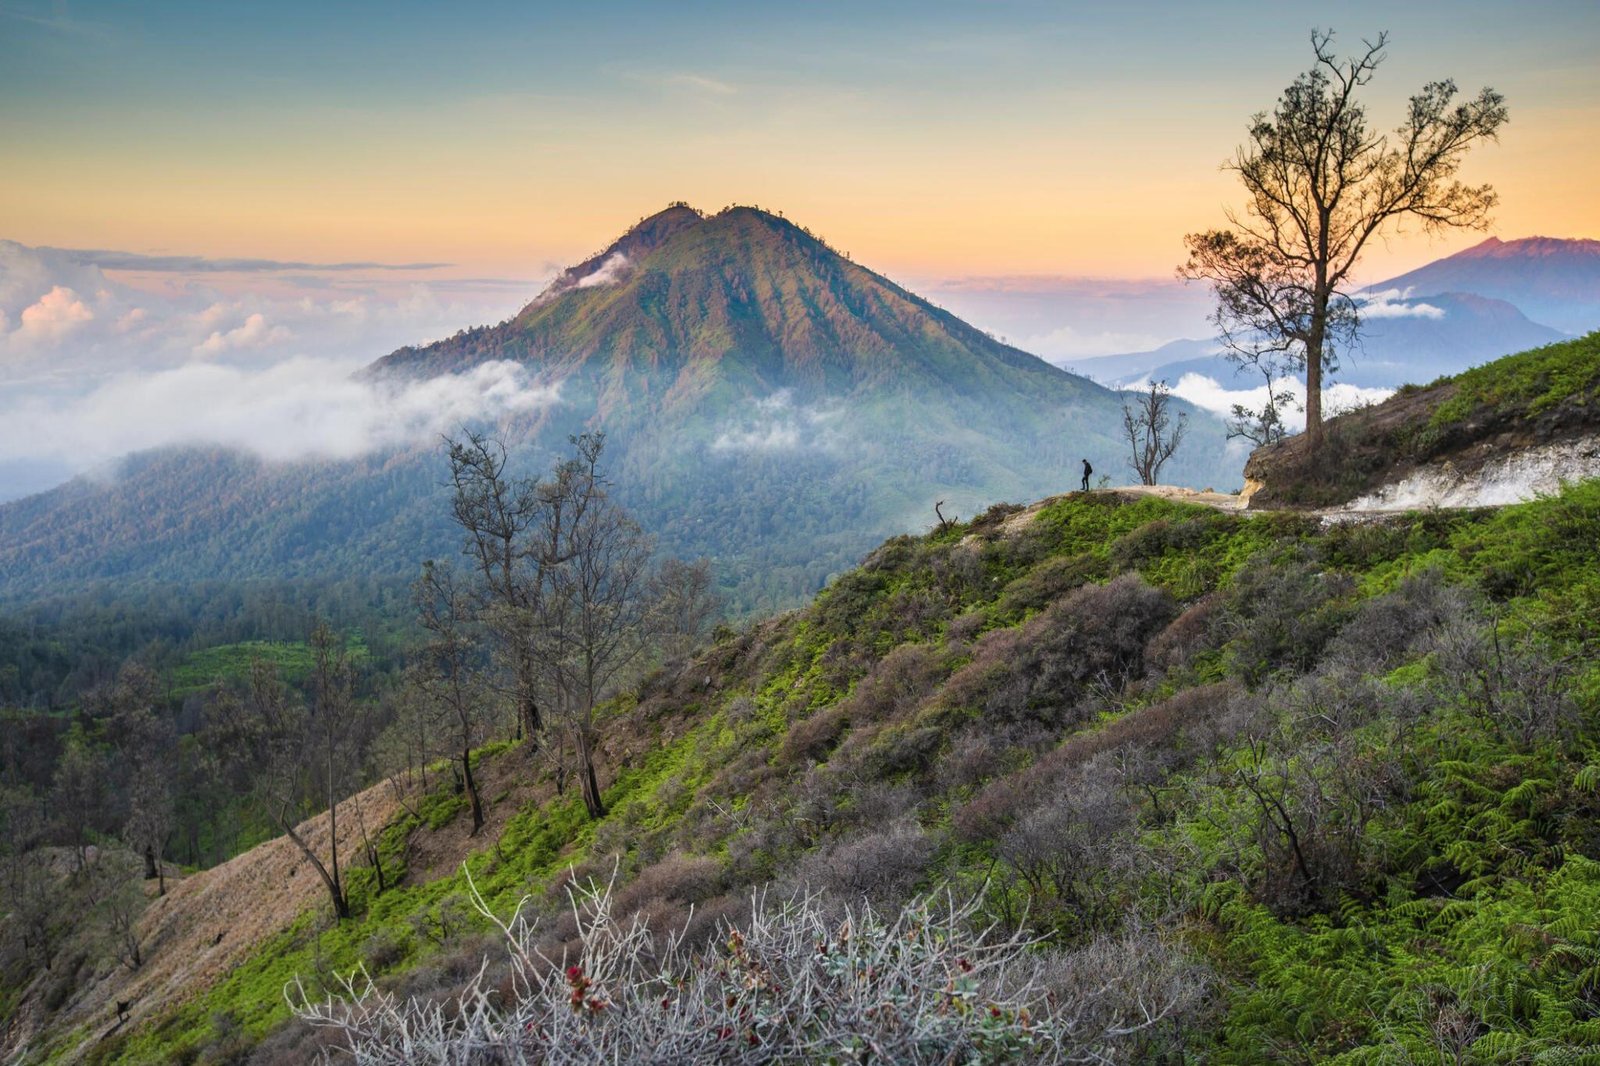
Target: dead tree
column 1152, row 433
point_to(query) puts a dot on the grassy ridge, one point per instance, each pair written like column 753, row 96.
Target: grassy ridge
column 1531, row 398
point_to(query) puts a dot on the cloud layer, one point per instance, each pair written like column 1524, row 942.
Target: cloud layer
column 1212, row 395
column 96, row 362
column 1396, row 303
column 71, row 318
column 776, row 423
column 297, row 409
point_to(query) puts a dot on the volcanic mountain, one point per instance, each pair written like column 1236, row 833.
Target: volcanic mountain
column 1551, row 280
column 689, row 315
column 767, row 403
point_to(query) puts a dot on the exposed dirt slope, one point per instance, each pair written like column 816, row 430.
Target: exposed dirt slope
column 206, row 924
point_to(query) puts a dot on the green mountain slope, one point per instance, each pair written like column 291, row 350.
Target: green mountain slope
column 1348, row 773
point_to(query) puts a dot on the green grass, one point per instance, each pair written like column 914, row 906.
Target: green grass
column 1526, row 384
column 231, row 662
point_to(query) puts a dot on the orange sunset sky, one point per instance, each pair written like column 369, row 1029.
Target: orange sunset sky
column 926, row 139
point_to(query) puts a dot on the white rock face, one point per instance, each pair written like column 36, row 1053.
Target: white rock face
column 1512, row 478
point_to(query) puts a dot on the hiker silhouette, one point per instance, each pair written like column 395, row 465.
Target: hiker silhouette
column 1087, row 470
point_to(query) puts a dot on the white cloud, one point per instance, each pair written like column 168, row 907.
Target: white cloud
column 1212, row 395
column 296, row 409
column 772, row 438
column 1068, row 342
column 58, row 314
column 1388, row 304
column 609, row 272
column 775, row 423
column 165, row 319
column 254, row 333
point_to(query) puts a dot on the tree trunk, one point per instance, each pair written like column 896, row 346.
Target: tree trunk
column 528, row 720
column 472, row 790
column 591, row 784
column 341, row 906
column 149, row 863
column 1314, row 392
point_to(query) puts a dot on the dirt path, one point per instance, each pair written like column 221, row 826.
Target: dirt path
column 1367, row 509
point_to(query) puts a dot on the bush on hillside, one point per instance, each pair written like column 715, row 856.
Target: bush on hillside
column 1280, row 614
column 800, row 983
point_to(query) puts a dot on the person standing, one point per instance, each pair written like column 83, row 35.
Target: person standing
column 1087, row 470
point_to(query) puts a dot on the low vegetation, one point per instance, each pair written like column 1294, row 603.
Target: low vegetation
column 1178, row 784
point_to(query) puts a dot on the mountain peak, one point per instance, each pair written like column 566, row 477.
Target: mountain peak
column 669, row 220
column 642, row 238
column 1554, row 281
column 743, row 300
column 1530, row 248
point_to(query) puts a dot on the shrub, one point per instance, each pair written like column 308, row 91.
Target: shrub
column 679, row 877
column 1188, row 636
column 880, row 866
column 1065, row 849
column 963, row 628
column 799, row 983
column 1046, row 583
column 900, row 681
column 1519, row 689
column 1386, row 630
column 383, row 950
column 1280, row 614
column 1092, row 640
column 811, row 739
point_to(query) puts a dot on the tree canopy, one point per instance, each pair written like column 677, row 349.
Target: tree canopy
column 1319, row 186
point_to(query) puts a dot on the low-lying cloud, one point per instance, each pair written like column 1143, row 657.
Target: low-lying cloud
column 300, row 408
column 776, row 423
column 609, row 272
column 1212, row 395
column 73, row 318
column 1396, row 303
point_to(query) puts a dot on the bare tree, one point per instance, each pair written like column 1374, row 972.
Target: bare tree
column 1320, row 185
column 683, row 601
column 593, row 607
column 448, row 673
column 146, row 745
column 497, row 514
column 298, row 755
column 78, row 797
column 1152, row 433
column 1265, row 425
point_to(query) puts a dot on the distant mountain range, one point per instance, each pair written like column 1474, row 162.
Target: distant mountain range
column 767, row 402
column 1495, row 298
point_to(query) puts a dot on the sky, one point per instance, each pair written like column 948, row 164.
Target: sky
column 928, row 138
column 229, row 206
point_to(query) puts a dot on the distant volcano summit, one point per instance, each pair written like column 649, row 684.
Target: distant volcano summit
column 1552, row 280
column 747, row 299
